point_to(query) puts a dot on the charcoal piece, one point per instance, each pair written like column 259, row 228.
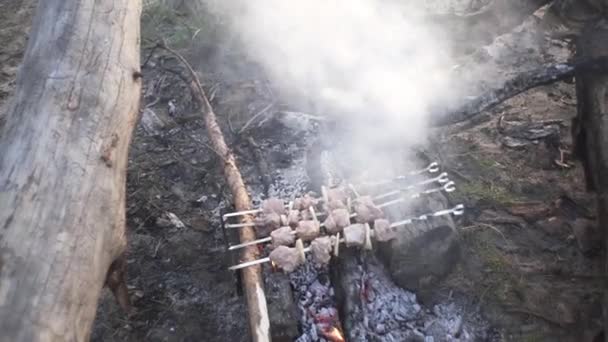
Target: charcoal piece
column 282, row 310
column 283, row 236
column 288, row 259
column 337, row 220
column 321, row 249
column 308, row 230
column 273, row 205
column 366, row 210
column 383, row 231
column 424, row 252
column 354, row 235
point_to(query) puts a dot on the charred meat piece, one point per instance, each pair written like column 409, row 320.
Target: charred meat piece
column 335, row 204
column 305, row 202
column 267, row 223
column 366, row 210
column 321, row 248
column 308, row 230
column 336, row 194
column 286, row 258
column 273, row 205
column 293, row 217
column 305, row 215
column 354, row 235
column 283, row 236
column 337, row 220
column 383, row 231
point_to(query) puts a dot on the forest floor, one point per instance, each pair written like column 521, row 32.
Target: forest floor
column 530, row 264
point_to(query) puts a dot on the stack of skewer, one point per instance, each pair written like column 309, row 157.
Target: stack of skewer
column 340, row 216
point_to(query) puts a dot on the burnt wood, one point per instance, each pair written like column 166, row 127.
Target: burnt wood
column 515, row 86
column 590, row 127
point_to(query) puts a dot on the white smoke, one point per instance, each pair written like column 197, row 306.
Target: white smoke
column 374, row 61
column 378, row 65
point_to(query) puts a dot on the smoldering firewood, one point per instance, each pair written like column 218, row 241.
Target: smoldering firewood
column 515, row 86
column 261, row 164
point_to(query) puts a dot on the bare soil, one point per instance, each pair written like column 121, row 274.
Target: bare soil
column 528, row 222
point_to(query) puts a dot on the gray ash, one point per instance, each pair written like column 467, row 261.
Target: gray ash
column 316, row 301
column 375, row 309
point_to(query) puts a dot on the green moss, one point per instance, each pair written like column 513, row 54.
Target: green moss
column 160, row 21
column 533, row 337
column 504, row 285
column 486, row 164
column 479, row 190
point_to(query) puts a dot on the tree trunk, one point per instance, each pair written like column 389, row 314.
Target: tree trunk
column 591, row 125
column 63, row 158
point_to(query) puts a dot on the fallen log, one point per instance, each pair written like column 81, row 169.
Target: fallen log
column 252, row 281
column 515, row 86
column 63, row 161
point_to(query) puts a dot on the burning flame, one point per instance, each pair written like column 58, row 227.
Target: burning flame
column 333, row 334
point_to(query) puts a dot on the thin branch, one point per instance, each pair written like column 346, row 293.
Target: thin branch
column 517, row 85
column 261, row 112
column 251, row 276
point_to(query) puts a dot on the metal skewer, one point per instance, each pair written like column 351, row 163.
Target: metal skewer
column 447, row 187
column 269, row 238
column 456, row 211
column 441, row 179
column 431, row 168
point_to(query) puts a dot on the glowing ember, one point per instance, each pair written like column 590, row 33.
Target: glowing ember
column 333, row 334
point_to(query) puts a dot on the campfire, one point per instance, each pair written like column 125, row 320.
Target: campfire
column 333, row 334
column 302, row 236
